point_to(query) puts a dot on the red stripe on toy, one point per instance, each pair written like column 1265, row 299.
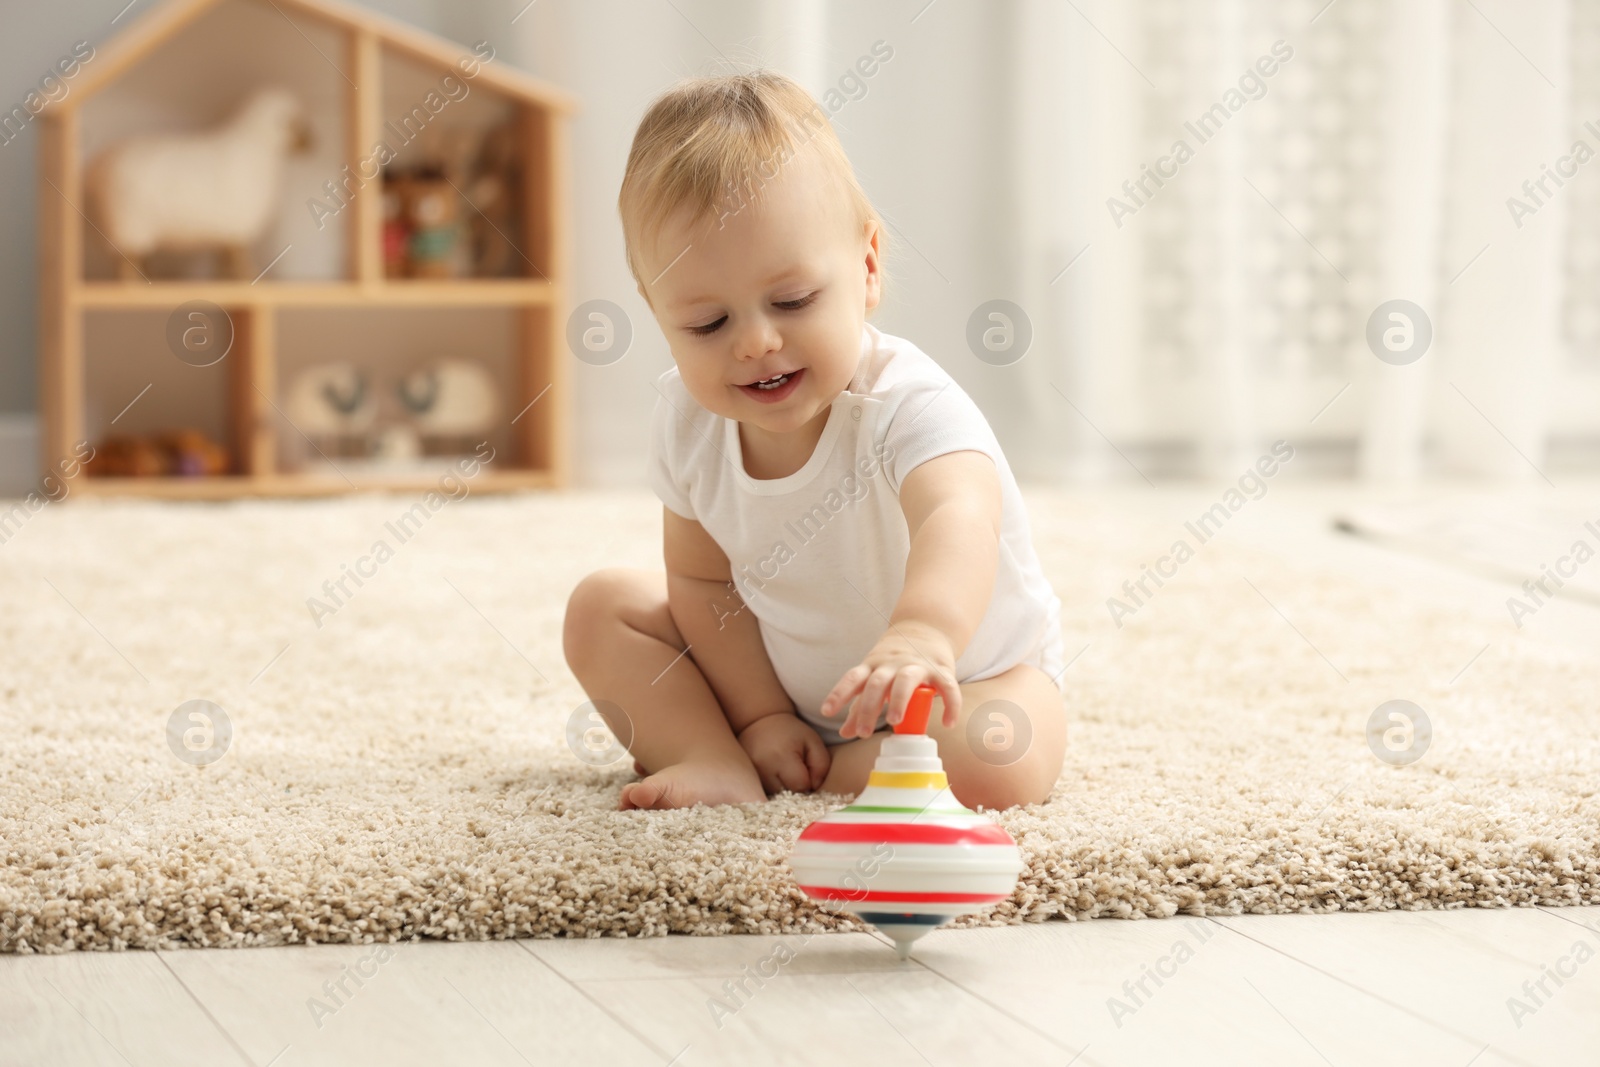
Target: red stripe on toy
column 824, row 892
column 907, row 833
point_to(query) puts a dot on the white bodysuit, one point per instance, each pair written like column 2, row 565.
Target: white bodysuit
column 819, row 556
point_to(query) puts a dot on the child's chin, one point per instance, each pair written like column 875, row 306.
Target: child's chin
column 794, row 412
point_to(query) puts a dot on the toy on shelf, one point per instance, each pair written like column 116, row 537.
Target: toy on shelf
column 332, row 405
column 182, row 452
column 907, row 856
column 451, row 213
column 432, row 207
column 216, row 191
column 396, row 444
column 396, row 230
column 496, row 174
column 452, row 404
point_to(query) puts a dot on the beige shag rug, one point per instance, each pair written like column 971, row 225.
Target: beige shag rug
column 402, row 770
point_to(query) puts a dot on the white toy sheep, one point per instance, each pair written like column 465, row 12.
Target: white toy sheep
column 332, row 405
column 202, row 190
column 452, row 402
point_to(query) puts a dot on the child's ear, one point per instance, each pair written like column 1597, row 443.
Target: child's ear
column 872, row 263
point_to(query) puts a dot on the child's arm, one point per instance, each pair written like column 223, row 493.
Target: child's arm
column 724, row 639
column 952, row 509
column 720, row 630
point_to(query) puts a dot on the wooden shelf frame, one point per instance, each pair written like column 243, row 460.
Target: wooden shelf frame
column 231, row 486
column 485, row 292
column 539, row 393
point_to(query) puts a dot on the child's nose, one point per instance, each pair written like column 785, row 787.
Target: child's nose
column 759, row 337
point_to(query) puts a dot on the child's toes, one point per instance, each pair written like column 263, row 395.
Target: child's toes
column 626, row 799
column 649, row 793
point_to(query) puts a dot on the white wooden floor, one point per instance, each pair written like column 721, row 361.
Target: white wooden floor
column 1447, row 988
column 1405, row 988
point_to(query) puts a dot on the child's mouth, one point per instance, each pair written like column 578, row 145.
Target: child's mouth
column 774, row 389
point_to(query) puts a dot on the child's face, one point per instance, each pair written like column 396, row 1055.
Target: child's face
column 782, row 285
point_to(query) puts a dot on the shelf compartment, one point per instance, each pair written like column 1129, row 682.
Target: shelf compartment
column 135, row 386
column 233, row 48
column 385, row 344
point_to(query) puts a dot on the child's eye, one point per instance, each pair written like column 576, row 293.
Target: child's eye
column 797, row 304
column 709, row 327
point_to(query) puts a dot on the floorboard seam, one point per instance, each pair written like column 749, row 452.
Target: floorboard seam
column 223, row 1030
column 1020, row 1021
column 657, row 1049
column 1545, row 909
column 1452, row 1031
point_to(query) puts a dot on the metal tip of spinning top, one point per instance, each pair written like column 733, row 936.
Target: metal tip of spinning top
column 906, row 856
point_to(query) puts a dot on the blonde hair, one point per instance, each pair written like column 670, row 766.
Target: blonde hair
column 718, row 140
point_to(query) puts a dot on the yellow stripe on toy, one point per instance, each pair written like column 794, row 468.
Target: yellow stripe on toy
column 908, row 779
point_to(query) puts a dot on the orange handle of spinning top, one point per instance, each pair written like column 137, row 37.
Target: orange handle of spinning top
column 918, row 708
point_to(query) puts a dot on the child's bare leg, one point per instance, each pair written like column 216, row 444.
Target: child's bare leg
column 623, row 646
column 996, row 778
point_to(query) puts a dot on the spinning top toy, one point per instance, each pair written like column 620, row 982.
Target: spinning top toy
column 907, row 856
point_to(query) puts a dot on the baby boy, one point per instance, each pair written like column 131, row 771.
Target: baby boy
column 840, row 524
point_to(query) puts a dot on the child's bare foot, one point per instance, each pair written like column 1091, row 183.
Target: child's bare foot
column 638, row 768
column 688, row 783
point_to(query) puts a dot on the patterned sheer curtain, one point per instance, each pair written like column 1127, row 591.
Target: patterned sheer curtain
column 1234, row 187
column 1579, row 399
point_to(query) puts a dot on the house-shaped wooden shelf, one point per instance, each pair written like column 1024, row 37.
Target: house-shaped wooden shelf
column 330, row 288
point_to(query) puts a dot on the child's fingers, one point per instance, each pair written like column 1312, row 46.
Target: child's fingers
column 857, row 715
column 818, row 759
column 846, row 687
column 847, row 729
column 793, row 774
column 870, row 703
column 951, row 692
column 851, row 708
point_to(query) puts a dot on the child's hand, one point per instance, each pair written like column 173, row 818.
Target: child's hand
column 904, row 658
column 787, row 753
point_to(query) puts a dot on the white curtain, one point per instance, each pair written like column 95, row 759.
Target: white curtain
column 1230, row 306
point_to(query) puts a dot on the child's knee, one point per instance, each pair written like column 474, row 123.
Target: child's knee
column 594, row 603
column 1024, row 772
column 978, row 784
